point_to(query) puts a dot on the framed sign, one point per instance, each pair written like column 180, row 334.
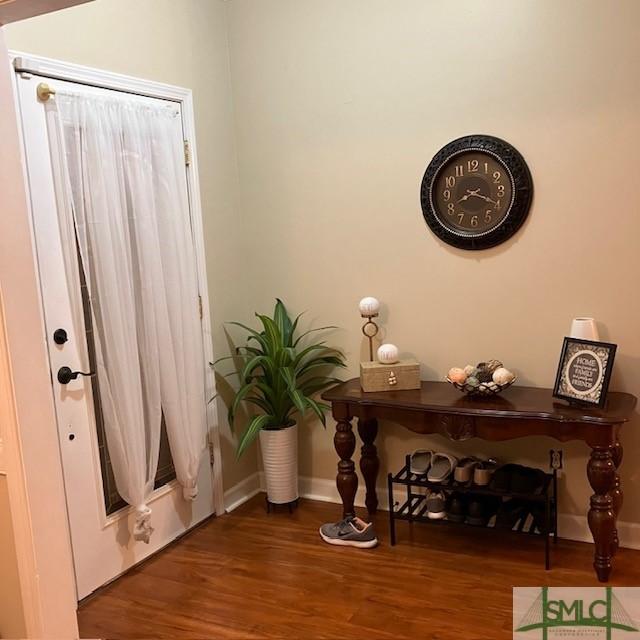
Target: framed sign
column 584, row 371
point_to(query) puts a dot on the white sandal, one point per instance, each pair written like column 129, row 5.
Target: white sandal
column 442, row 466
column 420, row 461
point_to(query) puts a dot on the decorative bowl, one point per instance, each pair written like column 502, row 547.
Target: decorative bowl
column 483, row 388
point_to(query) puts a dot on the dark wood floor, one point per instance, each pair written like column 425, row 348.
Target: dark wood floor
column 252, row 575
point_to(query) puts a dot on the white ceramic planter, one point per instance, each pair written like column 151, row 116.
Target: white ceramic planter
column 280, row 461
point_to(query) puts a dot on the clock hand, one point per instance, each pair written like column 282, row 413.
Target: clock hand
column 485, row 198
column 469, row 193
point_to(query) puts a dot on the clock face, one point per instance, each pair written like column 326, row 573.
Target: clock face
column 473, row 192
column 476, row 192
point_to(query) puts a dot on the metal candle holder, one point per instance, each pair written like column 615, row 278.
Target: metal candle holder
column 370, row 330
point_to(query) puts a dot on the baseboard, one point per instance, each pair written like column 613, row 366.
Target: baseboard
column 325, row 491
column 570, row 527
column 241, row 492
column 573, row 527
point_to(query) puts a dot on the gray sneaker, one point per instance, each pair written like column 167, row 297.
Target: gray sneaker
column 436, row 502
column 350, row 532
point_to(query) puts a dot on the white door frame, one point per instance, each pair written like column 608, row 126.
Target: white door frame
column 55, row 69
column 11, row 467
column 29, row 454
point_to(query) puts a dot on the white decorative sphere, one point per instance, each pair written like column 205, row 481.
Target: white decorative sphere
column 369, row 306
column 388, row 354
column 502, row 376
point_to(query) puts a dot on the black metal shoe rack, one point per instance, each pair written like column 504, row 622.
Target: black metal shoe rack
column 414, row 508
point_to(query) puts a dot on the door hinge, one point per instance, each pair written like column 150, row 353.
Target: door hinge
column 211, row 454
column 187, row 153
column 200, row 306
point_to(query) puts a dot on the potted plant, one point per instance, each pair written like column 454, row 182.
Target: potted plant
column 280, row 375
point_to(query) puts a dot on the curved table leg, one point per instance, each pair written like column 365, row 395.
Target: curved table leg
column 616, row 493
column 601, row 472
column 369, row 463
column 346, row 480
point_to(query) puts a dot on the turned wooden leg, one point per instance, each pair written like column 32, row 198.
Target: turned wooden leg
column 601, row 472
column 616, row 493
column 369, row 463
column 346, row 480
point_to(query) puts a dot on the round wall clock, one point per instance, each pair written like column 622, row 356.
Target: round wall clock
column 476, row 192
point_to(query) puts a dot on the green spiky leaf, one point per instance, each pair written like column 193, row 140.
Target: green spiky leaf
column 279, row 374
column 256, row 424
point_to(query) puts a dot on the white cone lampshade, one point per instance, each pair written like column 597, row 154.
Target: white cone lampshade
column 585, row 329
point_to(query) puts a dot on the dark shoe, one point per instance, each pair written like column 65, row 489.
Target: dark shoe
column 511, row 513
column 516, row 478
column 501, row 480
column 481, row 510
column 526, row 481
column 540, row 524
column 457, row 508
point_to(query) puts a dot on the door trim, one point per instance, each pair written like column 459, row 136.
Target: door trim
column 12, row 468
column 55, row 69
column 31, row 457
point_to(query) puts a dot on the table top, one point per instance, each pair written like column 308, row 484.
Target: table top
column 516, row 402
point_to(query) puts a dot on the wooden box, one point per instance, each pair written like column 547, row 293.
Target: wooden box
column 401, row 376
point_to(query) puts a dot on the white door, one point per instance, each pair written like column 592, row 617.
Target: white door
column 101, row 526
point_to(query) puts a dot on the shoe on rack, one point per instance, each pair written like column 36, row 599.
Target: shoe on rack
column 464, row 469
column 516, row 478
column 527, row 480
column 511, row 513
column 540, row 523
column 436, row 505
column 420, row 461
column 457, row 507
column 350, row 532
column 483, row 472
column 481, row 510
column 501, row 479
column 442, row 466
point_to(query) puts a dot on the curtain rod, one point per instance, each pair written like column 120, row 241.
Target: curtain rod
column 25, row 65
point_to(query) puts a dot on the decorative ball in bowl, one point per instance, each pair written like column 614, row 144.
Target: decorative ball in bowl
column 484, row 379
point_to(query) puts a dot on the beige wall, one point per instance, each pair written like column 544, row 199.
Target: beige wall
column 12, row 623
column 182, row 43
column 340, row 105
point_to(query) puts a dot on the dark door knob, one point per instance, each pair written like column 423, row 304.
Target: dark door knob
column 60, row 336
column 66, row 375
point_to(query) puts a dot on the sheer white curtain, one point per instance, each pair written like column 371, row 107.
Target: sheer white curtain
column 122, row 193
column 182, row 372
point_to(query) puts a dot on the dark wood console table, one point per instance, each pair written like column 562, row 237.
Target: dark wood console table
column 520, row 411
